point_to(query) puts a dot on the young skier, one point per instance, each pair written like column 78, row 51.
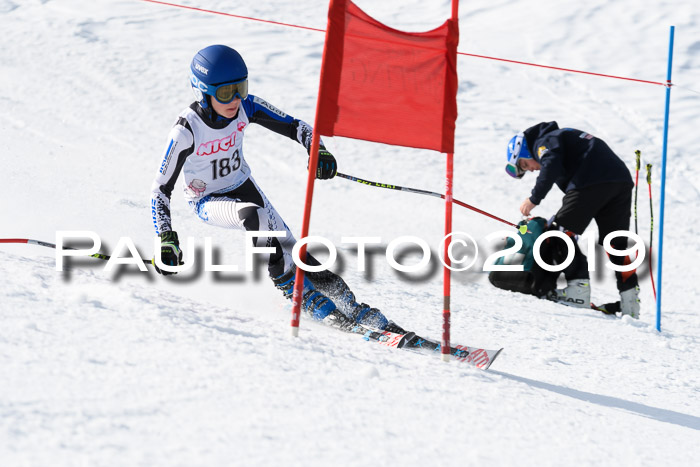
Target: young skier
column 206, row 144
column 597, row 186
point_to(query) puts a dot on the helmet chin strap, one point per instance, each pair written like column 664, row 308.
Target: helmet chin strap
column 206, row 106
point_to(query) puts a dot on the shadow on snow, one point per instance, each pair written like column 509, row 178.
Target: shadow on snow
column 662, row 415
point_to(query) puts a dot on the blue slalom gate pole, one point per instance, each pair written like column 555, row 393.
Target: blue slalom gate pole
column 660, row 253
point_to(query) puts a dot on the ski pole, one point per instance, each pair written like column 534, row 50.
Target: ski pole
column 522, row 229
column 637, row 153
column 48, row 245
column 29, row 241
column 651, row 230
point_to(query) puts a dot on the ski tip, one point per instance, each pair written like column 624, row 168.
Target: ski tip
column 406, row 338
column 493, row 358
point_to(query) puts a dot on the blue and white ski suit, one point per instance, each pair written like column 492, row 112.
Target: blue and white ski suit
column 218, row 186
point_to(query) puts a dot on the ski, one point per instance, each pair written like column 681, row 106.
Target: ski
column 478, row 357
column 608, row 308
column 474, row 356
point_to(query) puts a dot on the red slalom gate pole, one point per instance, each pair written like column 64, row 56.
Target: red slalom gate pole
column 297, row 294
column 449, row 183
column 299, row 277
column 446, row 310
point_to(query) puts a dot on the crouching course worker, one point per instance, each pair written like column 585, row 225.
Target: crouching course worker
column 597, row 185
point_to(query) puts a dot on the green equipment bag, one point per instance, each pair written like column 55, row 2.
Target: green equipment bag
column 533, row 280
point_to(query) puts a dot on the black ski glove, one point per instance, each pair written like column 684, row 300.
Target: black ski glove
column 327, row 167
column 170, row 253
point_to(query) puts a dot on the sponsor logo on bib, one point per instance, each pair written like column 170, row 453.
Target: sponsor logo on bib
column 212, row 147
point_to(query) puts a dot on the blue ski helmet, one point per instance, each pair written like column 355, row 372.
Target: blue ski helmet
column 517, row 149
column 220, row 72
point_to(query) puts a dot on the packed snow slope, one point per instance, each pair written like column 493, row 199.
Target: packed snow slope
column 129, row 368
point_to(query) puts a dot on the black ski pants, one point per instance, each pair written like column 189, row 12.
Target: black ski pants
column 609, row 205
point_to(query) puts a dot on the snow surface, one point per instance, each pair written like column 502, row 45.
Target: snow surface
column 128, row 368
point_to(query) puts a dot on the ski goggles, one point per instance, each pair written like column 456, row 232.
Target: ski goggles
column 223, row 93
column 514, row 170
column 515, row 149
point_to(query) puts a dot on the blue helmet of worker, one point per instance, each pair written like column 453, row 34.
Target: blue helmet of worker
column 517, row 149
column 218, row 71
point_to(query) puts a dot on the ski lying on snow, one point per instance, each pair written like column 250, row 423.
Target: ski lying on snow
column 608, row 308
column 480, row 358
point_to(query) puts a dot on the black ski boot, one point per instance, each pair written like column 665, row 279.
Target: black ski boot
column 313, row 302
column 395, row 328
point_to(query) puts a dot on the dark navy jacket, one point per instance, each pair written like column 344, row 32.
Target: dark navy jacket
column 572, row 159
